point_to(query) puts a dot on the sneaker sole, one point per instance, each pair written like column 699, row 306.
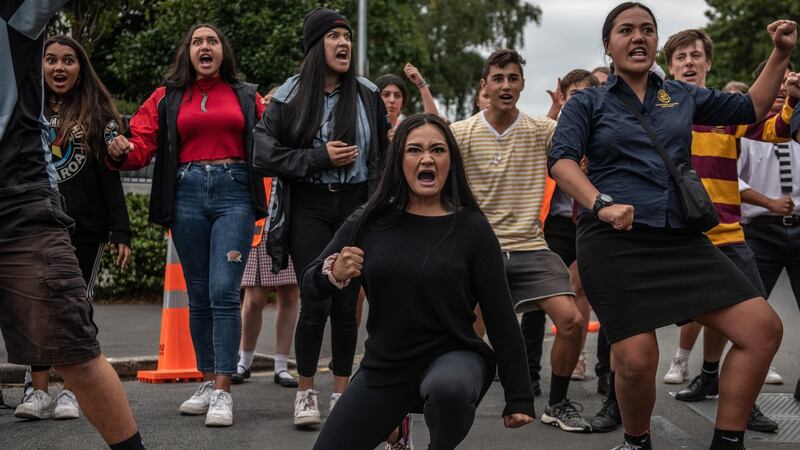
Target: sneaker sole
column 548, row 420
column 773, row 381
column 65, row 416
column 691, row 400
column 307, row 421
column 219, row 422
column 31, row 416
column 673, row 380
column 772, row 429
column 193, row 411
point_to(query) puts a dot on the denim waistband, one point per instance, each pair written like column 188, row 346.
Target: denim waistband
column 211, row 167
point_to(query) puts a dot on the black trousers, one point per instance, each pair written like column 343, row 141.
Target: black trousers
column 316, row 215
column 450, row 391
column 776, row 247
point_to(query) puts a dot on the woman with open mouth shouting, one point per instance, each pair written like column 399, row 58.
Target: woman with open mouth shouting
column 204, row 189
column 323, row 138
column 426, row 256
column 635, row 229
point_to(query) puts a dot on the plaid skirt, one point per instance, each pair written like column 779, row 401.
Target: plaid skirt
column 258, row 272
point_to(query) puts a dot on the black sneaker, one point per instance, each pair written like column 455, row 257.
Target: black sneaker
column 536, row 386
column 759, row 422
column 608, row 418
column 239, row 377
column 566, row 415
column 701, row 388
column 603, row 383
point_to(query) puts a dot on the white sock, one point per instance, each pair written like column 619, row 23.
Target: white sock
column 683, row 354
column 335, row 396
column 281, row 362
column 246, row 359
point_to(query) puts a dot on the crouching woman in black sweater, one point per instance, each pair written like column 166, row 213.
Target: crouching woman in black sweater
column 426, row 256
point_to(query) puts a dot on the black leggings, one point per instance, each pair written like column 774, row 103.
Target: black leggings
column 450, row 391
column 316, row 215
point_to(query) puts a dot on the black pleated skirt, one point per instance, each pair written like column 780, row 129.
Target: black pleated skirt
column 646, row 278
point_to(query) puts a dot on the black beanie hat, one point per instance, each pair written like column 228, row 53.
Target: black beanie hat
column 320, row 21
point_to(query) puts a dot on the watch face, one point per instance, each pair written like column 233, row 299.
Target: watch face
column 605, row 198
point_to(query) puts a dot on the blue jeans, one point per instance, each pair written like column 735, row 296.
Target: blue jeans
column 212, row 229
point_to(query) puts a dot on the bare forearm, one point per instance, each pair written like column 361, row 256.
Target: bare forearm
column 427, row 100
column 573, row 181
column 765, row 88
column 554, row 110
column 753, row 197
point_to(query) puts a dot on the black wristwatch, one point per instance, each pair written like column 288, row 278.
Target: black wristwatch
column 601, row 202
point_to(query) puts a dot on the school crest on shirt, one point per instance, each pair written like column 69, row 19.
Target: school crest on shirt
column 665, row 101
column 69, row 154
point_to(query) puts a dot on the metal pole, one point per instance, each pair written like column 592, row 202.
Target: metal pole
column 362, row 38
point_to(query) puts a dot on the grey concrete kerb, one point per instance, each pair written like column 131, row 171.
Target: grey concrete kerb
column 127, row 367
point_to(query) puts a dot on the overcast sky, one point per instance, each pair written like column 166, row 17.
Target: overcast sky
column 569, row 38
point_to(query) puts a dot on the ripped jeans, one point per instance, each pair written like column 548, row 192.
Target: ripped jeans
column 212, row 229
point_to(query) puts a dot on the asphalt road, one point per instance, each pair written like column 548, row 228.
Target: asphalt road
column 263, row 410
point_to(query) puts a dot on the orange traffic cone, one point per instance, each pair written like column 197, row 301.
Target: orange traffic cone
column 176, row 359
column 592, row 327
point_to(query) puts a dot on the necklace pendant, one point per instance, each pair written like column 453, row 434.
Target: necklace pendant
column 203, row 102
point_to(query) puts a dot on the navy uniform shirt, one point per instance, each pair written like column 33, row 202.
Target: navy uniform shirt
column 623, row 162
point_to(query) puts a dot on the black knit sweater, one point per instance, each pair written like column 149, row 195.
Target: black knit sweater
column 423, row 277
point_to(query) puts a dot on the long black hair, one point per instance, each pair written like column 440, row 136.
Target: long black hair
column 391, row 197
column 612, row 16
column 305, row 109
column 88, row 105
column 182, row 74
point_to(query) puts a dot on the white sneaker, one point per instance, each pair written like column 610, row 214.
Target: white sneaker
column 334, row 398
column 198, row 403
column 36, row 405
column 678, row 371
column 220, row 409
column 306, row 408
column 773, row 377
column 579, row 373
column 66, row 406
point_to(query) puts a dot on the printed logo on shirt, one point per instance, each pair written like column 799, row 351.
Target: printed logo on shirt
column 110, row 132
column 69, row 155
column 665, row 99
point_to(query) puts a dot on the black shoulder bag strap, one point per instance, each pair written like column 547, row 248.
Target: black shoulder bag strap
column 697, row 205
column 632, row 107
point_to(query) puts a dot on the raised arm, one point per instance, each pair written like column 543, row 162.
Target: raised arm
column 765, row 88
column 424, row 90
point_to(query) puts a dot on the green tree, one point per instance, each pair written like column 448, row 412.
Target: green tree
column 741, row 41
column 266, row 36
column 446, row 39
